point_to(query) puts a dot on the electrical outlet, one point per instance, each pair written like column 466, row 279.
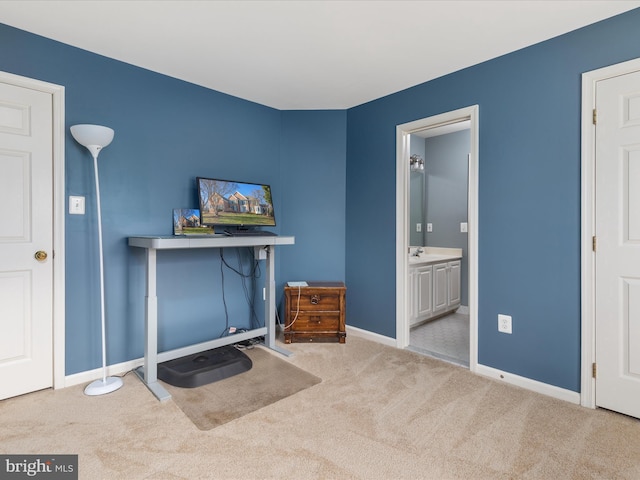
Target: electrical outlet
column 429, row 227
column 464, row 227
column 418, row 227
column 504, row 323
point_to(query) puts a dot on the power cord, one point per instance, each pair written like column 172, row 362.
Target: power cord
column 247, row 344
column 224, row 300
column 253, row 274
column 297, row 309
column 125, row 373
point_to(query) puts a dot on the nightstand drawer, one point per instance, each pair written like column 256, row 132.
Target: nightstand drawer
column 311, row 322
column 316, row 300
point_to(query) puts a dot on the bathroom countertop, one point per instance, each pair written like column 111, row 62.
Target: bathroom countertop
column 422, row 258
column 434, row 254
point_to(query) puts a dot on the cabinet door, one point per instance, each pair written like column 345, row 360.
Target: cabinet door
column 440, row 288
column 454, row 283
column 424, row 305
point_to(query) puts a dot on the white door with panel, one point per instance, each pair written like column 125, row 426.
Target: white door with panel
column 424, row 287
column 26, row 240
column 440, row 288
column 617, row 257
column 453, row 298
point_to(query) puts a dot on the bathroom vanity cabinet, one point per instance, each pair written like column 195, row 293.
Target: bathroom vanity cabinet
column 446, row 287
column 434, row 283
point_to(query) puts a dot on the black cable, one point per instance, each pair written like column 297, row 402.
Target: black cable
column 250, row 298
column 253, row 274
column 125, row 373
column 244, row 285
column 224, row 300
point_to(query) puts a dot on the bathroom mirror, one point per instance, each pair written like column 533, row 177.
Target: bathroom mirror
column 438, row 193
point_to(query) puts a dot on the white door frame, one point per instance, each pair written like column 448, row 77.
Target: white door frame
column 402, row 223
column 57, row 94
column 587, row 288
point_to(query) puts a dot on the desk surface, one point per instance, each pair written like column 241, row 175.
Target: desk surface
column 161, row 242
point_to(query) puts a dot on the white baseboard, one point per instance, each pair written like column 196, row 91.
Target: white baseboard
column 529, row 384
column 91, row 375
column 374, row 337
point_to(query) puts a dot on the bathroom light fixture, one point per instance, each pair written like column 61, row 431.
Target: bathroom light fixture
column 416, row 163
column 95, row 138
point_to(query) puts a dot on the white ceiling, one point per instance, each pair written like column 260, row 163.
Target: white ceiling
column 305, row 54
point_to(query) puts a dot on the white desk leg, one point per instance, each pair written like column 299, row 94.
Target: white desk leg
column 149, row 372
column 270, row 306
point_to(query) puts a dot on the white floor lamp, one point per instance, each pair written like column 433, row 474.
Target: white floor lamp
column 95, row 138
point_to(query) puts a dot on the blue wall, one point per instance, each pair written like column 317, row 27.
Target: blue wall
column 167, row 132
column 529, row 196
column 313, row 169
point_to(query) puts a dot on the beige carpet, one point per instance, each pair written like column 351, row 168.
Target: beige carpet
column 379, row 413
column 270, row 379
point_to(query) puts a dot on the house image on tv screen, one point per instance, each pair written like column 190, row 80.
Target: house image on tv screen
column 232, row 203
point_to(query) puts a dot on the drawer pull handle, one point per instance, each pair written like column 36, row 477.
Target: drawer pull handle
column 315, row 299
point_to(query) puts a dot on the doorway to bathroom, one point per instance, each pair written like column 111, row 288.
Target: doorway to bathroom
column 437, row 160
column 438, row 189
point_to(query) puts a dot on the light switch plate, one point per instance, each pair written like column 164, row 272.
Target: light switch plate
column 464, row 227
column 429, row 227
column 76, row 205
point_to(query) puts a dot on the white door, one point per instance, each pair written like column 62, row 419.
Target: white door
column 617, row 258
column 440, row 288
column 424, row 291
column 26, row 227
column 454, row 283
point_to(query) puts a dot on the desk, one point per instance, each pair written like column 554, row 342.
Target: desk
column 264, row 250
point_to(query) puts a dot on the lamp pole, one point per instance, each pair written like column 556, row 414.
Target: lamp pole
column 95, row 138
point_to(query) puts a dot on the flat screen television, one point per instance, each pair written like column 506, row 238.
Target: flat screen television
column 240, row 206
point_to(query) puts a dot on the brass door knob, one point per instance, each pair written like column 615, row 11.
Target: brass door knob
column 40, row 255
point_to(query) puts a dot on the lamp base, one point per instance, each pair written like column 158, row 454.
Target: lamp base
column 99, row 387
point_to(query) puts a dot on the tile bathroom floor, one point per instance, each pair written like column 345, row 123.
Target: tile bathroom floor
column 446, row 338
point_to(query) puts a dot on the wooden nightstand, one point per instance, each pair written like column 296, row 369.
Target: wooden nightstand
column 315, row 313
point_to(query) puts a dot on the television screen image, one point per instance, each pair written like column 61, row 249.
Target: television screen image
column 236, row 204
